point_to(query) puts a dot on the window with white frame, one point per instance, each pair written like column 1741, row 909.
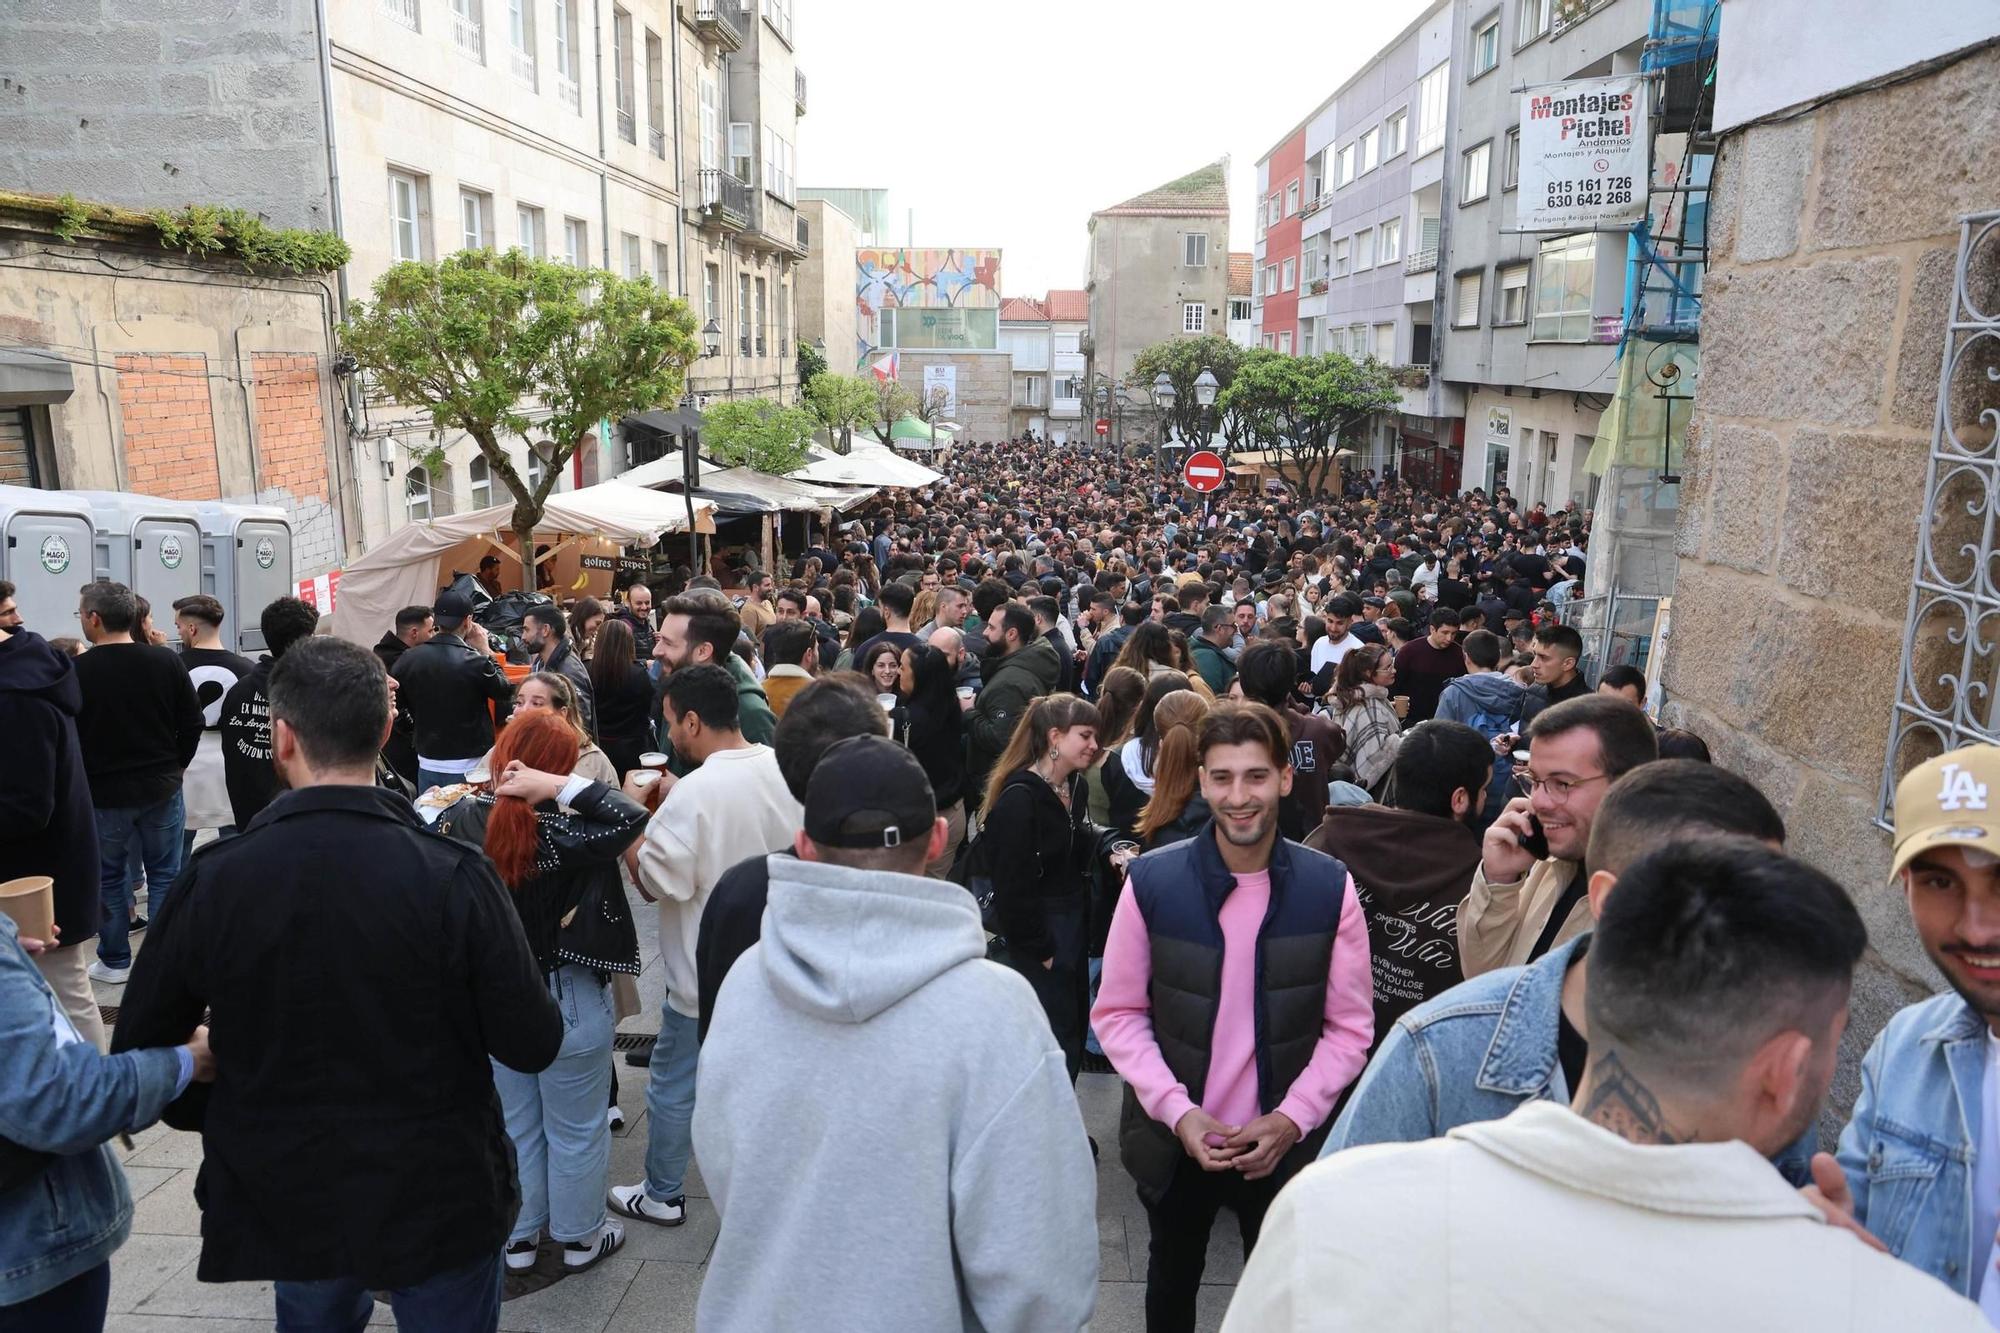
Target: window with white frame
column 1194, row 250
column 622, row 75
column 1465, row 300
column 1510, row 162
column 711, row 294
column 1477, row 168
column 1194, row 317
column 531, row 231
column 1433, row 97
column 1270, row 279
column 1312, row 259
column 779, row 13
column 777, row 164
column 1285, row 342
column 633, row 254
column 1485, row 45
column 763, row 341
column 1345, row 166
column 1531, row 20
column 1270, row 342
column 1513, row 303
column 538, row 467
column 406, row 215
column 740, row 143
column 1291, row 198
column 480, row 473
column 1565, row 286
column 521, row 39
column 417, row 494
column 403, row 12
column 743, row 329
column 1271, row 211
column 1364, row 249
column 567, row 83
column 1342, row 257
column 576, row 242
column 467, row 31
column 663, row 265
column 1395, row 134
column 1239, row 309
column 1291, row 276
column 1315, row 178
column 1357, row 341
column 1371, row 147
column 1307, row 338
column 475, row 211
column 1385, row 344
column 656, row 95
column 1389, row 245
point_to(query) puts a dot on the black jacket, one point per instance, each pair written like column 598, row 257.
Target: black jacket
column 140, row 723
column 246, row 745
column 583, row 849
column 356, row 1132
column 446, row 687
column 401, row 747
column 1036, row 855
column 1539, row 697
column 47, row 824
column 625, row 720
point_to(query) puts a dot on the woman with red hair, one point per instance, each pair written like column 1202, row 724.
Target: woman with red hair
column 555, row 838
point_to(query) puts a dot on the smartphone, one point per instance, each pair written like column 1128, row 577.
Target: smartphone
column 1535, row 842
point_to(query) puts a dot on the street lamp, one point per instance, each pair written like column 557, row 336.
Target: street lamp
column 711, row 337
column 1205, row 386
column 1164, row 394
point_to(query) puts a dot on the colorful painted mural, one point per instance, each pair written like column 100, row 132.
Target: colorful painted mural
column 895, row 279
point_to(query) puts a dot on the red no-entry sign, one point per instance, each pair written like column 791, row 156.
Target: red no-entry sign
column 1203, row 471
column 1103, row 426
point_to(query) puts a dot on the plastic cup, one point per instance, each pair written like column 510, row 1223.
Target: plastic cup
column 967, row 693
column 887, row 701
column 654, row 760
column 644, row 778
column 31, row 901
column 480, row 776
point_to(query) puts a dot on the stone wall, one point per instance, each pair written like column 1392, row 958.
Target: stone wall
column 985, row 387
column 166, row 103
column 1834, row 237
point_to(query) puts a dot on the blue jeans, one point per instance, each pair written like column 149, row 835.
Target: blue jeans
column 465, row 1300
column 670, row 1106
column 562, row 1144
column 435, row 777
column 1089, row 1032
column 152, row 833
column 77, row 1304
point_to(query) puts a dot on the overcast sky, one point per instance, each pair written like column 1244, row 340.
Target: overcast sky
column 1006, row 123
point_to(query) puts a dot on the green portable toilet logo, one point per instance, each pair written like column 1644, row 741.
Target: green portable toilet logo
column 55, row 553
column 170, row 551
column 267, row 553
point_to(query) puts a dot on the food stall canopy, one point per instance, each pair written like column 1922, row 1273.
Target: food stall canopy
column 868, row 465
column 740, row 490
column 404, row 570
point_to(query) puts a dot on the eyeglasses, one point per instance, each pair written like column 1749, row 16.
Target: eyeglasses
column 1559, row 789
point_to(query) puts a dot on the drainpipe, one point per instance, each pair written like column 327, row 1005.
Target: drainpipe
column 603, row 179
column 348, row 390
column 680, row 181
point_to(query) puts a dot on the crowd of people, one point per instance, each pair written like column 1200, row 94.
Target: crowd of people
column 1299, row 814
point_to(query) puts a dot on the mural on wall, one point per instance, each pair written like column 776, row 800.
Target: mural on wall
column 898, row 279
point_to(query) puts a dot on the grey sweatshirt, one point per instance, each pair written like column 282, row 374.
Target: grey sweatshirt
column 886, row 1124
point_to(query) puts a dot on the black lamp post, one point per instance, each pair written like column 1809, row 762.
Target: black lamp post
column 1164, row 395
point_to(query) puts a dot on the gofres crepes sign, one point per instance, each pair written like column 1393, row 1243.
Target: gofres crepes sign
column 1584, row 148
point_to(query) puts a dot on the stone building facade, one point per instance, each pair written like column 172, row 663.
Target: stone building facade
column 1158, row 268
column 1834, row 232
column 984, row 382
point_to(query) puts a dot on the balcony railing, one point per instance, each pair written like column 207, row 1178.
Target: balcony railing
column 799, row 90
column 523, row 63
column 628, row 125
column 656, row 139
column 403, row 11
column 569, row 93
column 724, row 198
column 465, row 33
column 1421, row 261
column 760, row 345
column 1317, row 287
column 721, row 22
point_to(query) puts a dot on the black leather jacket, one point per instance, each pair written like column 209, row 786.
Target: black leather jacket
column 444, row 687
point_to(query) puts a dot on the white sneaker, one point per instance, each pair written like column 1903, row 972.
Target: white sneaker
column 109, row 975
column 521, row 1254
column 581, row 1254
column 615, row 1118
column 631, row 1201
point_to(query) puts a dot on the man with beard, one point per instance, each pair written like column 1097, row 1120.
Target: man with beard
column 1411, row 860
column 1719, row 983
column 1925, row 1136
column 1263, row 945
column 545, row 633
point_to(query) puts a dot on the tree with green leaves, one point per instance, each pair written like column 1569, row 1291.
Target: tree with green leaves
column 758, row 433
column 1302, row 409
column 893, row 402
column 475, row 338
column 1183, row 359
column 840, row 403
column 812, row 362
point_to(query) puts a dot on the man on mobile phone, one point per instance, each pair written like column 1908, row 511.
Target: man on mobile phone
column 1527, row 896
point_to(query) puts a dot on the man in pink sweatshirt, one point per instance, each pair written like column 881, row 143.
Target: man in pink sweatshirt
column 1236, row 1003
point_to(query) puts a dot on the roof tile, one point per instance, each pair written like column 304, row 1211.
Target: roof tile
column 1202, row 191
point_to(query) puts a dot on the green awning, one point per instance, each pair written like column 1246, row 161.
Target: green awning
column 915, row 428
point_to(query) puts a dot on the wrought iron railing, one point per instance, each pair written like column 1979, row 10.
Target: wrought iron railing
column 466, row 34
column 724, row 195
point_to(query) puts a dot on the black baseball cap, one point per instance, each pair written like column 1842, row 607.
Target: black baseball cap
column 868, row 791
column 451, row 606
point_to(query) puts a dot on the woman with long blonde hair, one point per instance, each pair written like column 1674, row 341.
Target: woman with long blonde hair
column 1176, row 808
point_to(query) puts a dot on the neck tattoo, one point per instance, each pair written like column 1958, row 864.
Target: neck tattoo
column 1622, row 1103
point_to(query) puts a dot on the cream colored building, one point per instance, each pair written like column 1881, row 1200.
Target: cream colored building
column 1159, row 269
column 826, row 283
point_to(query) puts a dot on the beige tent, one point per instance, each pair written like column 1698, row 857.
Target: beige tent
column 867, row 465
column 585, row 530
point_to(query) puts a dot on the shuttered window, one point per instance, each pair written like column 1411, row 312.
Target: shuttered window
column 17, row 448
column 1465, row 301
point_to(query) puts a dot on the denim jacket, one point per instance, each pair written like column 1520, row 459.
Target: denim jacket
column 1475, row 1053
column 61, row 1096
column 1908, row 1151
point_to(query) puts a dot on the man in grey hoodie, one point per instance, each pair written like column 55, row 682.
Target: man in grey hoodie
column 883, row 1118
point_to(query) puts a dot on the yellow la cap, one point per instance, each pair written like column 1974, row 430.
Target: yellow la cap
column 1950, row 801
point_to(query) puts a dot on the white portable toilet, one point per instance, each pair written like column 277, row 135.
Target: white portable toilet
column 152, row 546
column 246, row 564
column 46, row 544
